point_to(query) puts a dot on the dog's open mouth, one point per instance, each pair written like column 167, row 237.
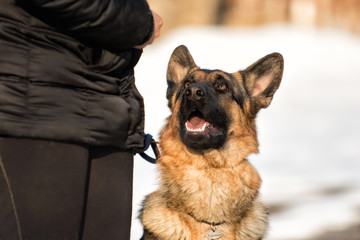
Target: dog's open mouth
column 197, row 125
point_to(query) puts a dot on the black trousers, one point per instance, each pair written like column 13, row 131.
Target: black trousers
column 51, row 190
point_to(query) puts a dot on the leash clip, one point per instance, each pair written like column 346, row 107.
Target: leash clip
column 149, row 141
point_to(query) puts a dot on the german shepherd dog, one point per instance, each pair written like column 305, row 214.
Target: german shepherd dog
column 207, row 189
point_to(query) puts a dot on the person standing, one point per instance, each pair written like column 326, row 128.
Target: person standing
column 70, row 116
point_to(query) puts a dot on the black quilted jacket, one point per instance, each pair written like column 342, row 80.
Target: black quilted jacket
column 66, row 70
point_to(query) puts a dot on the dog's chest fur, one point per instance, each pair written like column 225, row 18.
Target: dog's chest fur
column 210, row 194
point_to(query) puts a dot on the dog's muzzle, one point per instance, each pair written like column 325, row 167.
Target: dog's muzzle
column 200, row 128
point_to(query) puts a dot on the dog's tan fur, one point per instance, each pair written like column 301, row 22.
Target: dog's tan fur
column 217, row 185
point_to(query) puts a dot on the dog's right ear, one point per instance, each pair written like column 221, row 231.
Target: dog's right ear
column 181, row 62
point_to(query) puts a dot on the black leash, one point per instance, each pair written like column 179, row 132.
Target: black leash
column 149, row 141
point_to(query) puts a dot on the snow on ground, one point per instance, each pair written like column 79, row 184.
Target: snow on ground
column 309, row 136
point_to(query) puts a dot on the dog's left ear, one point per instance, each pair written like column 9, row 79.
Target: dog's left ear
column 179, row 66
column 262, row 79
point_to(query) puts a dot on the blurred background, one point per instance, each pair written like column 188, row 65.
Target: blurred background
column 309, row 137
column 342, row 14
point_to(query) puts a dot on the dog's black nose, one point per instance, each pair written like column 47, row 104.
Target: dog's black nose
column 195, row 92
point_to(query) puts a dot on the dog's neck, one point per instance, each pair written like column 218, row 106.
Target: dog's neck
column 228, row 156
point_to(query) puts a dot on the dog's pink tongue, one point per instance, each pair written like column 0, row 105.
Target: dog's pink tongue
column 197, row 123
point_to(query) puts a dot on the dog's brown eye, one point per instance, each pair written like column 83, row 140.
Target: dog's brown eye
column 186, row 84
column 223, row 87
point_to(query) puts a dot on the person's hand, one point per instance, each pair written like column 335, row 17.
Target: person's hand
column 158, row 22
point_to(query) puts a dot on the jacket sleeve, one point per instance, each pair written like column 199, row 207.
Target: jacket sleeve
column 110, row 24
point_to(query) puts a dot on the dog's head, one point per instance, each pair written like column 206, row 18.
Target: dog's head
column 212, row 107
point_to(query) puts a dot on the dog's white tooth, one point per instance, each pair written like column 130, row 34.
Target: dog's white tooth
column 200, row 129
column 187, row 126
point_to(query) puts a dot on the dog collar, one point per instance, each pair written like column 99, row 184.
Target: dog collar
column 213, row 233
column 214, row 224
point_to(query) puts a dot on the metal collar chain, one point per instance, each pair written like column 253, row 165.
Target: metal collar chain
column 213, row 233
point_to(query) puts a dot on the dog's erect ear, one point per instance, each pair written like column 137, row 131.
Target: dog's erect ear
column 179, row 65
column 263, row 78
